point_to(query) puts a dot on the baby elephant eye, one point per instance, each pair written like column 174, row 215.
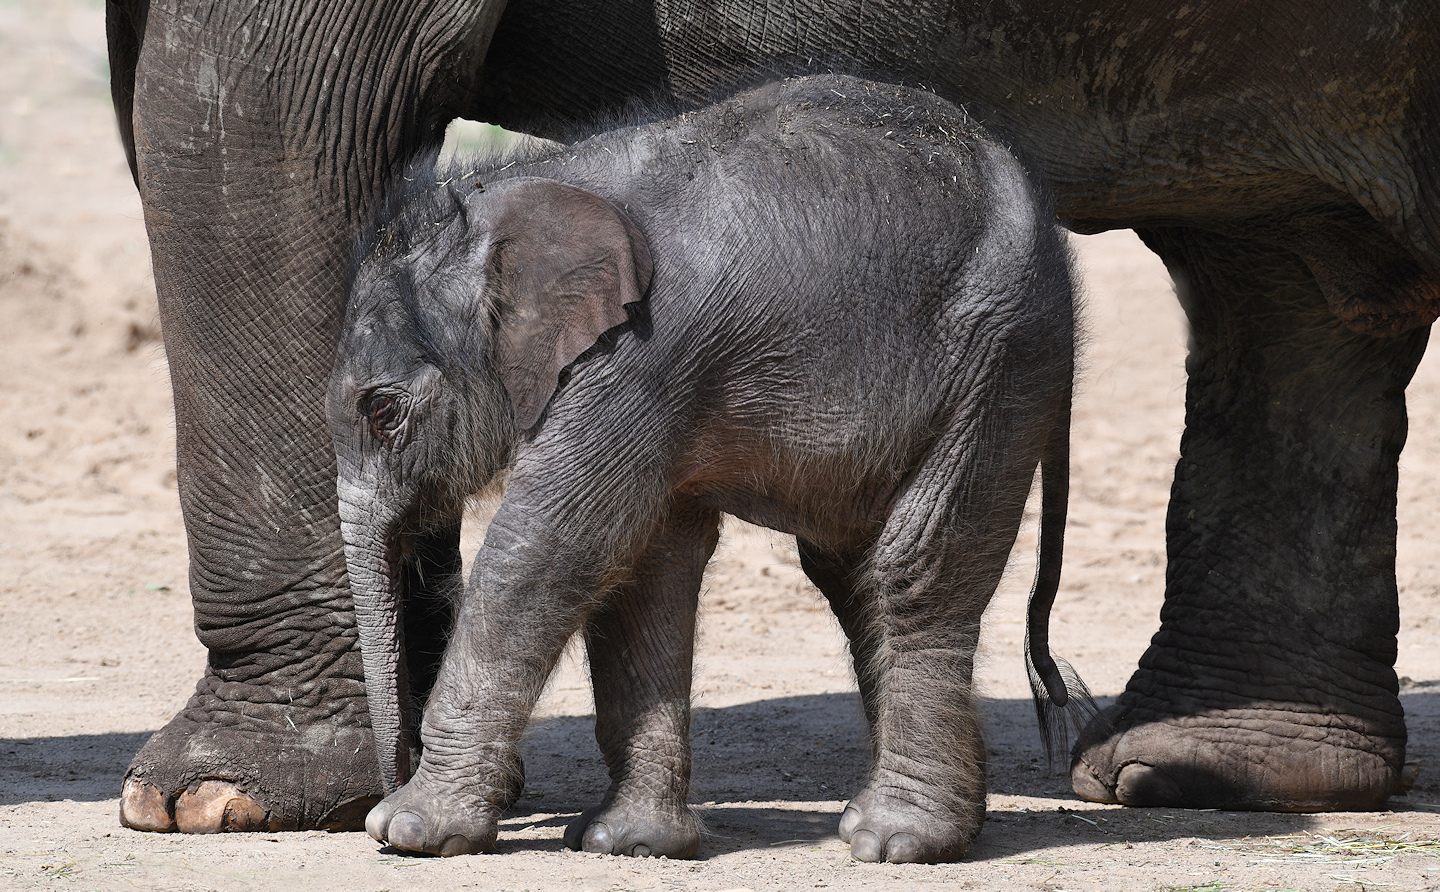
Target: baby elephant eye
column 384, row 414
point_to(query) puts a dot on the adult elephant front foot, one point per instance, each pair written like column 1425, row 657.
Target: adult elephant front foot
column 220, row 768
column 1259, row 757
column 1270, row 684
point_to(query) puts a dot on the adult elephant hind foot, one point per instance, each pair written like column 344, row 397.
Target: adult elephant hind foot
column 1271, row 683
column 1249, row 759
column 218, row 777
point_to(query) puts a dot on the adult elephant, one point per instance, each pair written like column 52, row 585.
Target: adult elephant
column 1281, row 158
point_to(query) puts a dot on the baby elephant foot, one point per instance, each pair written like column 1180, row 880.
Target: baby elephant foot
column 632, row 829
column 412, row 820
column 880, row 827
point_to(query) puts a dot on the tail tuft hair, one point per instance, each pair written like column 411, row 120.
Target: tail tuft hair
column 1061, row 700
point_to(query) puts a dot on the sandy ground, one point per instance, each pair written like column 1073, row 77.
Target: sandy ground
column 96, row 648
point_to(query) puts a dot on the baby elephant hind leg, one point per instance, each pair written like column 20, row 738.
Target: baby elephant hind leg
column 641, row 648
column 929, row 578
column 837, row 574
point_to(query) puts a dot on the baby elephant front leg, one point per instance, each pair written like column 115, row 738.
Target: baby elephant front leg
column 470, row 771
column 441, row 813
column 521, row 609
column 641, row 646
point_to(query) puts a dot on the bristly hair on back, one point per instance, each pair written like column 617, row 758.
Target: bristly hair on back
column 428, row 191
column 425, row 176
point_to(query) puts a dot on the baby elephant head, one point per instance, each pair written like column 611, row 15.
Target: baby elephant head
column 459, row 322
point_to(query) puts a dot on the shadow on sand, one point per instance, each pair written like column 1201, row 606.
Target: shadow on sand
column 770, row 773
column 83, row 767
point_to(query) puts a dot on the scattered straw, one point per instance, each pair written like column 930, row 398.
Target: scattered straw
column 1350, row 847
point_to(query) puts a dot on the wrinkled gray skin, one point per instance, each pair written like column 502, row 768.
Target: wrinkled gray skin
column 1282, row 158
column 858, row 330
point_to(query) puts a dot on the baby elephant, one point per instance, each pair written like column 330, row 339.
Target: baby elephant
column 832, row 307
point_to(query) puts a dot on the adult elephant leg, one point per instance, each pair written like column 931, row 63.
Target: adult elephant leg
column 260, row 143
column 1270, row 684
column 225, row 793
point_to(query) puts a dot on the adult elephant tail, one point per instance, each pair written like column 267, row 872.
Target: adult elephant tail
column 1056, row 688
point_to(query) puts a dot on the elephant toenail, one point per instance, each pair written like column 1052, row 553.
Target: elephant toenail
column 202, row 808
column 457, row 845
column 903, row 848
column 406, row 831
column 598, row 839
column 640, row 850
column 848, row 820
column 865, row 846
column 244, row 815
column 143, row 807
column 376, row 822
column 1140, row 784
column 1087, row 784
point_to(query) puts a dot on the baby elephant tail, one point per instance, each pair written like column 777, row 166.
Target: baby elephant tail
column 1055, row 687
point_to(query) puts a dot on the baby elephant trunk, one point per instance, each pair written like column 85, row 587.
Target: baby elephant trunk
column 374, row 557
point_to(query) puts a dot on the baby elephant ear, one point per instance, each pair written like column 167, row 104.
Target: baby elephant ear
column 566, row 262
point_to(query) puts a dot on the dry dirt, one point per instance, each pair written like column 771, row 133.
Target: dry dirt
column 96, row 648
